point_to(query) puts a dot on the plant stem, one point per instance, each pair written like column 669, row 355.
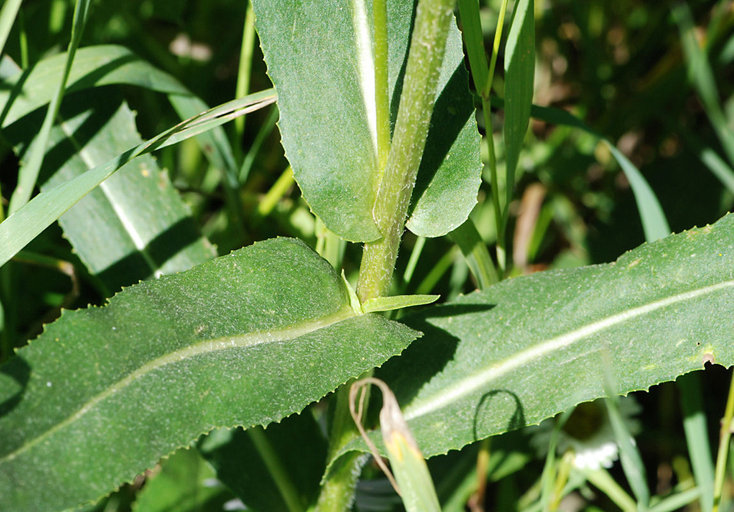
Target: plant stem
column 603, row 481
column 275, row 467
column 276, row 193
column 337, row 492
column 725, row 436
column 433, row 18
column 409, row 138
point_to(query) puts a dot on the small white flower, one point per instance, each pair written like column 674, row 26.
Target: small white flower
column 588, row 434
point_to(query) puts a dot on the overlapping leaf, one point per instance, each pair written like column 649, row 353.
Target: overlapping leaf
column 530, row 347
column 134, row 225
column 24, row 91
column 245, row 339
column 25, row 224
column 320, row 58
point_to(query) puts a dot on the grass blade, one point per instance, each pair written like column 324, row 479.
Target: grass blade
column 697, row 437
column 29, row 172
column 702, row 77
column 475, row 251
column 8, row 14
column 653, row 219
column 25, row 224
column 519, row 77
column 629, row 455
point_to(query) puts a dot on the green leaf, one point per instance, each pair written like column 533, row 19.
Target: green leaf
column 320, row 59
column 184, row 483
column 394, row 302
column 652, row 216
column 8, row 13
column 31, row 166
column 93, row 66
column 519, row 76
column 530, row 347
column 245, row 339
column 134, row 225
column 702, row 76
column 296, row 443
column 45, row 208
column 653, row 219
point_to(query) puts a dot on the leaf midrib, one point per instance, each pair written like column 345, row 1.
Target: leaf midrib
column 482, row 378
column 127, row 225
column 203, row 347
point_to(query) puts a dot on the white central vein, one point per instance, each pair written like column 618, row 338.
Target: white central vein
column 120, row 210
column 366, row 65
column 481, row 379
column 203, row 347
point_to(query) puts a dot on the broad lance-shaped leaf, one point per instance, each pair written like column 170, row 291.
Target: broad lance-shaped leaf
column 320, row 58
column 245, row 339
column 528, row 348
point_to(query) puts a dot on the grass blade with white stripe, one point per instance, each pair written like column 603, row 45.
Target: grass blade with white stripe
column 134, row 225
column 28, row 222
column 29, row 170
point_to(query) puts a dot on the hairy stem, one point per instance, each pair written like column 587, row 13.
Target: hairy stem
column 409, row 138
column 433, row 18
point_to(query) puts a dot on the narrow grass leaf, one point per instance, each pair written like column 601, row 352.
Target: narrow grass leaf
column 471, row 28
column 28, row 174
column 629, row 455
column 296, row 443
column 653, row 219
column 28, row 222
column 476, row 253
column 95, row 66
column 702, row 77
column 697, row 437
column 241, row 340
column 519, row 77
column 677, row 501
column 530, row 347
column 654, row 222
column 8, row 13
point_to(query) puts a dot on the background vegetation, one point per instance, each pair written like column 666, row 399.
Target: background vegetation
column 620, row 66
